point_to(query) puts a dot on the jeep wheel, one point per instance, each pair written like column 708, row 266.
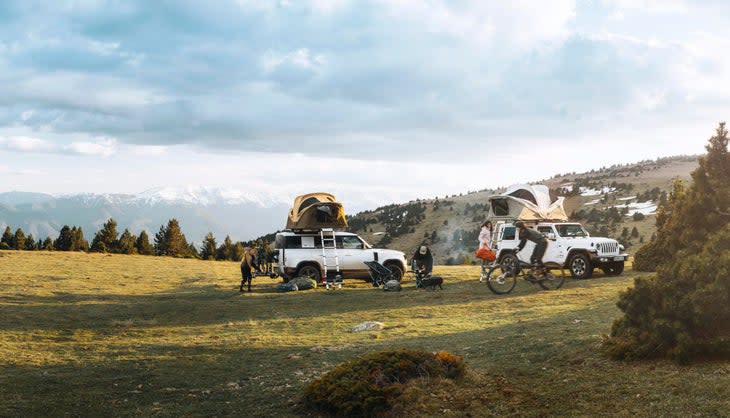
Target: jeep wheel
column 509, row 261
column 309, row 270
column 580, row 266
column 614, row 269
column 395, row 268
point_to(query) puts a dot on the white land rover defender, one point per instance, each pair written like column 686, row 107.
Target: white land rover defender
column 569, row 247
column 301, row 254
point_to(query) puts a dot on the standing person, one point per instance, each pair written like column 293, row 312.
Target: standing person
column 248, row 262
column 485, row 241
column 261, row 255
column 525, row 234
column 485, row 235
column 423, row 260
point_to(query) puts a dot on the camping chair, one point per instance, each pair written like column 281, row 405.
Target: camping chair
column 379, row 273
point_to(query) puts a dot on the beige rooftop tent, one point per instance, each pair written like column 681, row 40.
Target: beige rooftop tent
column 315, row 211
column 526, row 202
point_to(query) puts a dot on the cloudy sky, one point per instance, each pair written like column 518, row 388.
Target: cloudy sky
column 377, row 101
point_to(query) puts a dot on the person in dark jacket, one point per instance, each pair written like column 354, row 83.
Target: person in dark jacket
column 423, row 260
column 526, row 234
column 248, row 262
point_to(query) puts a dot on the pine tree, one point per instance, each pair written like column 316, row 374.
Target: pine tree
column 170, row 241
column 682, row 311
column 209, row 247
column 127, row 243
column 7, row 240
column 238, row 251
column 225, row 251
column 63, row 242
column 160, row 243
column 18, row 240
column 30, row 243
column 78, row 242
column 143, row 244
column 105, row 239
column 48, row 244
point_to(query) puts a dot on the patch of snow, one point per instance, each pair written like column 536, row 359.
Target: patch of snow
column 645, row 208
column 627, row 198
column 592, row 202
column 586, row 191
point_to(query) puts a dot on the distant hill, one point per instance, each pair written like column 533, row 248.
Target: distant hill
column 610, row 201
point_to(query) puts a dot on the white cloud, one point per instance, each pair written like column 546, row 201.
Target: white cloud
column 25, row 144
column 102, row 147
column 301, row 58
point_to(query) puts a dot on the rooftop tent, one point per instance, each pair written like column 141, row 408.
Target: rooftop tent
column 528, row 203
column 315, row 211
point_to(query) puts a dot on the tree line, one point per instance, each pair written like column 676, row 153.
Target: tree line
column 168, row 241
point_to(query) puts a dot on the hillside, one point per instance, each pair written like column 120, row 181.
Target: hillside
column 604, row 200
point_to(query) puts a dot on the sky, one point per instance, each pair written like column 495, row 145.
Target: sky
column 376, row 101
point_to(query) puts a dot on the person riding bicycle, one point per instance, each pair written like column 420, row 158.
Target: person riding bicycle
column 526, row 234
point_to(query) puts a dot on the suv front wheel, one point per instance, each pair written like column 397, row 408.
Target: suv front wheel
column 396, row 269
column 580, row 266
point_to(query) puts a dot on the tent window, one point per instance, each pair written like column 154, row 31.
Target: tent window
column 308, row 202
column 500, row 207
column 524, row 194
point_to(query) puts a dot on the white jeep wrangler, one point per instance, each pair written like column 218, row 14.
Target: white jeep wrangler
column 301, row 254
column 569, row 247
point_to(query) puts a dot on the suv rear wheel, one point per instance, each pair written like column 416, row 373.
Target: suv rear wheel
column 309, row 270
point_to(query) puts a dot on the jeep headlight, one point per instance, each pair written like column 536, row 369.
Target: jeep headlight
column 621, row 247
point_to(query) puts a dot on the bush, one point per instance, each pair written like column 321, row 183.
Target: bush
column 368, row 385
column 682, row 312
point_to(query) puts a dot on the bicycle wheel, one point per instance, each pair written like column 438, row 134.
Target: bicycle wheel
column 501, row 279
column 551, row 281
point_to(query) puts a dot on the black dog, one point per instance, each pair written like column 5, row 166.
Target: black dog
column 432, row 282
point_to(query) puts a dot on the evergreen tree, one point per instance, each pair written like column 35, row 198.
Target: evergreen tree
column 160, row 243
column 18, row 241
column 105, row 239
column 48, row 244
column 7, row 240
column 238, row 250
column 30, row 244
column 225, row 251
column 170, row 241
column 63, row 242
column 682, row 311
column 192, row 251
column 127, row 243
column 208, row 249
column 143, row 244
column 78, row 242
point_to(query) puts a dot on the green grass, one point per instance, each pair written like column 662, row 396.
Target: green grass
column 115, row 335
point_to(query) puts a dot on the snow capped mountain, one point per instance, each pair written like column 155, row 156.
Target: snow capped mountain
column 223, row 211
column 206, row 196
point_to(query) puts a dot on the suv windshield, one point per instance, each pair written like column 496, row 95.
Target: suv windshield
column 571, row 230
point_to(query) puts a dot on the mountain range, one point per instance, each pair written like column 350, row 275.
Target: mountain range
column 450, row 223
column 199, row 210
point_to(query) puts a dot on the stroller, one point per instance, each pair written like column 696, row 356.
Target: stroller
column 379, row 273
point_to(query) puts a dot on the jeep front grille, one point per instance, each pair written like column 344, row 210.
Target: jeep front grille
column 607, row 247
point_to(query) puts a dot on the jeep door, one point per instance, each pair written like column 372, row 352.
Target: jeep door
column 555, row 252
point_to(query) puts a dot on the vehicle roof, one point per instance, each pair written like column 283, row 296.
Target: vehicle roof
column 312, row 233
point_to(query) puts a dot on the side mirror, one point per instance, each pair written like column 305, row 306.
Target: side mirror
column 551, row 236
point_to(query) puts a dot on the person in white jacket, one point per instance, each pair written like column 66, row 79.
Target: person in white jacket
column 485, row 235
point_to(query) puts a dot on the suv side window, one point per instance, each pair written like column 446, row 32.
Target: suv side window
column 351, row 242
column 508, row 233
column 545, row 230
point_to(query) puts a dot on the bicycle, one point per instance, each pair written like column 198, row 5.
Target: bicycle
column 502, row 277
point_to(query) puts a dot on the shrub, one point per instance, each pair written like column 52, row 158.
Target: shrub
column 368, row 385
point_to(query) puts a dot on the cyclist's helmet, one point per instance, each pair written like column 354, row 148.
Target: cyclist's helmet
column 519, row 224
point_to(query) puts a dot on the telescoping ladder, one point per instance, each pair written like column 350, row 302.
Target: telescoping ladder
column 330, row 258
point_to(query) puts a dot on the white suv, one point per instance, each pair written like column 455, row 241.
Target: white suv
column 300, row 254
column 569, row 247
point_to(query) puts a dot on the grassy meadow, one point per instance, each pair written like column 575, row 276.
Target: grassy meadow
column 116, row 335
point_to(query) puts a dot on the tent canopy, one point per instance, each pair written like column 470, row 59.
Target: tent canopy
column 526, row 202
column 315, row 211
